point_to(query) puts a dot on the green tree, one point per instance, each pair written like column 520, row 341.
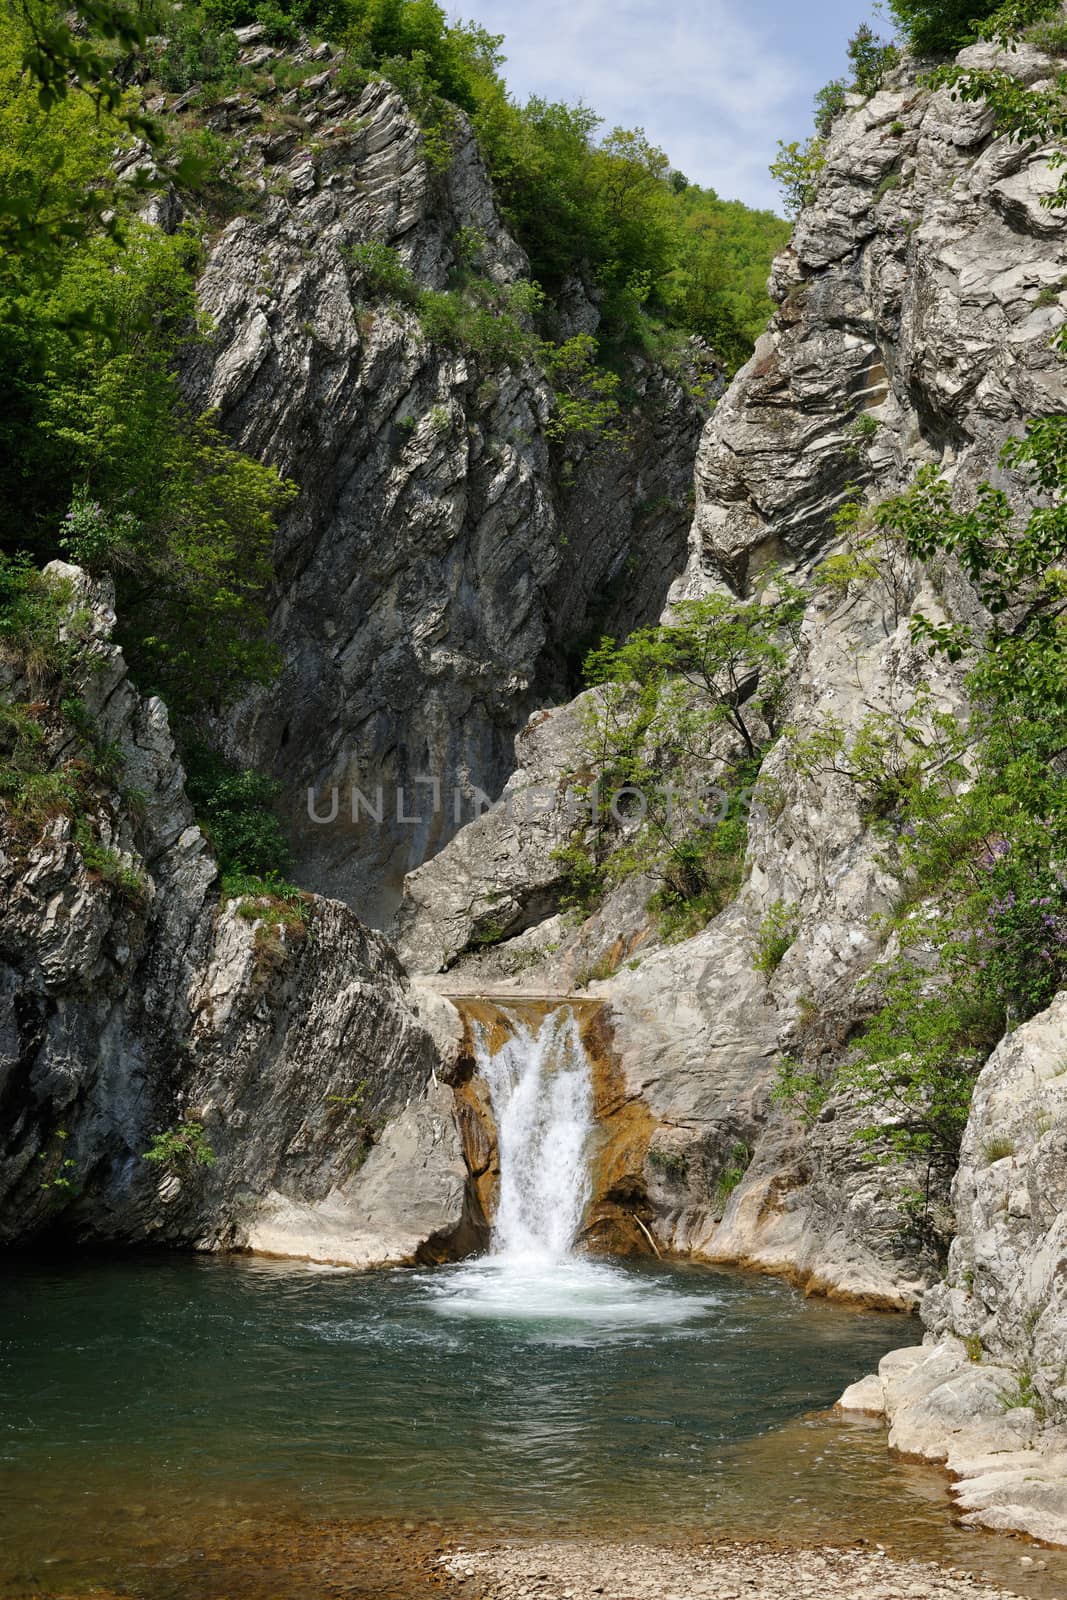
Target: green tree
column 796, row 171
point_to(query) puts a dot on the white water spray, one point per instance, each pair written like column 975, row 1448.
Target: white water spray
column 541, row 1088
column 542, row 1094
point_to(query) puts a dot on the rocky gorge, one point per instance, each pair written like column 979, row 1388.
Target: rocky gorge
column 433, row 575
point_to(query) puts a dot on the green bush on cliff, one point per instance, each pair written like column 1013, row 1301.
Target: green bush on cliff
column 181, row 1148
column 101, row 461
column 235, row 810
column 940, row 27
column 676, row 733
column 975, row 809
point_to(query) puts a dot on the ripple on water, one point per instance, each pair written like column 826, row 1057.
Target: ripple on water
column 142, row 1399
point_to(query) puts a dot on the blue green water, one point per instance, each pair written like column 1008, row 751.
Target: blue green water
column 147, row 1403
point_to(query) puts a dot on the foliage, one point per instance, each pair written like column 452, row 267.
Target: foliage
column 105, row 464
column 582, row 878
column 978, row 806
column 110, row 867
column 699, row 696
column 796, row 171
column 52, row 761
column 181, row 1148
column 830, row 102
column 997, row 1149
column 737, row 1164
column 872, row 556
column 234, row 809
column 587, row 402
column 33, row 609
column 870, row 58
column 1024, row 1393
column 1038, row 113
column 777, row 932
column 485, row 319
column 64, row 106
column 940, row 27
column 382, row 272
column 803, row 1091
column 60, row 1177
column 194, row 53
column 671, row 1163
column 732, row 652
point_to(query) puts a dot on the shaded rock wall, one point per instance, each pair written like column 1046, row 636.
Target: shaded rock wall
column 444, row 560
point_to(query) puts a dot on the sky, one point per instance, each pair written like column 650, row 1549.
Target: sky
column 715, row 83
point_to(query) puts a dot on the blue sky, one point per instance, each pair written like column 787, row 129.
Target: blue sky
column 716, row 83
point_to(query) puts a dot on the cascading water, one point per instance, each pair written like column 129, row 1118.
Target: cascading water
column 541, row 1087
column 542, row 1095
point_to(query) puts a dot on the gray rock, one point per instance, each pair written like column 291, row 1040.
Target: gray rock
column 296, row 1049
column 443, row 553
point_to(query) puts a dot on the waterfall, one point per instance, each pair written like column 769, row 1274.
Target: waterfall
column 542, row 1095
column 541, row 1089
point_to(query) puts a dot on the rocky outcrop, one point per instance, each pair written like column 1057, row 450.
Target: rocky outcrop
column 917, row 299
column 132, row 1002
column 444, row 555
column 987, row 1392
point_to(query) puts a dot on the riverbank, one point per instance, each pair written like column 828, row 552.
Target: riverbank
column 567, row 1571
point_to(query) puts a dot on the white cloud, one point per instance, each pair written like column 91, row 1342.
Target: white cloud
column 709, row 83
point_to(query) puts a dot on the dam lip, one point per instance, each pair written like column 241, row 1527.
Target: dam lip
column 533, row 995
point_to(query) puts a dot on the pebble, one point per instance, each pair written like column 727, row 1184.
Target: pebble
column 558, row 1570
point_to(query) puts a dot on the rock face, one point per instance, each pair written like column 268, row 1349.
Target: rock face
column 920, row 292
column 124, row 1012
column 916, row 305
column 987, row 1392
column 443, row 554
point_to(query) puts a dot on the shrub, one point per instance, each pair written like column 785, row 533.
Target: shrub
column 483, row 320
column 940, row 27
column 829, row 105
column 34, row 610
column 738, row 1162
column 870, row 58
column 799, row 1089
column 581, row 876
column 1023, row 1394
column 796, row 171
column 864, row 428
column 586, row 395
column 382, row 271
column 110, row 867
column 194, row 52
column 777, row 932
column 181, row 1148
column 671, row 1163
column 234, row 809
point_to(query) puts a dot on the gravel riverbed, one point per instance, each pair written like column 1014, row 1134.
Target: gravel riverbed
column 562, row 1570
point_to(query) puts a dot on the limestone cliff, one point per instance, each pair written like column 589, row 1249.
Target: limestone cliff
column 444, row 553
column 987, row 1394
